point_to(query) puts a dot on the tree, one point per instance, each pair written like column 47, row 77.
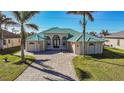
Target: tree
column 93, row 33
column 30, row 33
column 22, row 18
column 105, row 32
column 83, row 22
column 14, row 30
column 4, row 23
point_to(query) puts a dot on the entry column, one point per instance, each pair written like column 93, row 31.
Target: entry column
column 51, row 38
column 61, row 42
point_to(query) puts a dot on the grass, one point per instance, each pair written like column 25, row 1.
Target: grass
column 108, row 66
column 12, row 69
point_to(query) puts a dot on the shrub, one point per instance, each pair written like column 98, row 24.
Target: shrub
column 10, row 50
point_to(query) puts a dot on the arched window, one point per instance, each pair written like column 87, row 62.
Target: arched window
column 64, row 40
column 56, row 41
column 48, row 40
column 55, row 37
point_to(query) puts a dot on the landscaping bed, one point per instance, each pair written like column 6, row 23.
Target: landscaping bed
column 11, row 50
column 13, row 68
column 108, row 66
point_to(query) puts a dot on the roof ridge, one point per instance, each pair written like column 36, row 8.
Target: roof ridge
column 59, row 28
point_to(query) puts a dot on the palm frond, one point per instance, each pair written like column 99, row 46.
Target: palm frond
column 2, row 17
column 80, row 22
column 5, row 20
column 32, row 26
column 11, row 23
column 17, row 15
column 27, row 15
column 90, row 17
column 87, row 13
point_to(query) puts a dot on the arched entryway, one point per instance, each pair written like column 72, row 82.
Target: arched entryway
column 56, row 41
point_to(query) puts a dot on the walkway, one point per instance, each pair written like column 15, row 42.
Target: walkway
column 50, row 66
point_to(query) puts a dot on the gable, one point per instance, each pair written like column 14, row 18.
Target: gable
column 61, row 31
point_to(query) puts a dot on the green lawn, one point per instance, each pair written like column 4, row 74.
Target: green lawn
column 108, row 66
column 12, row 69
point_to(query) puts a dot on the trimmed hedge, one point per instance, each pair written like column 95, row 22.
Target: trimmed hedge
column 10, row 50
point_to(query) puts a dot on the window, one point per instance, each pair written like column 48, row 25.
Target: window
column 91, row 44
column 4, row 42
column 19, row 40
column 48, row 40
column 64, row 40
column 77, row 44
column 8, row 41
column 31, row 43
column 118, row 42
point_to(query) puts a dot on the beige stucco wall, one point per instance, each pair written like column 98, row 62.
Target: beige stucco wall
column 74, row 47
column 97, row 48
column 71, row 46
column 78, row 48
column 37, row 46
column 113, row 42
column 13, row 42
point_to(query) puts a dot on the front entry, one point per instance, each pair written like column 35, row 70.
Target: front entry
column 56, row 41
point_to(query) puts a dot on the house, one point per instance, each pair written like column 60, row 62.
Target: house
column 64, row 39
column 10, row 40
column 116, row 40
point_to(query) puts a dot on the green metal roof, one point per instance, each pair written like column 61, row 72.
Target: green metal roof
column 88, row 38
column 60, row 30
column 36, row 37
column 74, row 36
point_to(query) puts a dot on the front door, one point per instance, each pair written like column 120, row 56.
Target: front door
column 56, row 41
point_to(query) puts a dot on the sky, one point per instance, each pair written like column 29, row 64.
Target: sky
column 113, row 21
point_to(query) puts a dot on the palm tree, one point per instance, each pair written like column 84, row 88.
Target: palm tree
column 22, row 18
column 84, row 14
column 4, row 23
column 93, row 33
column 104, row 32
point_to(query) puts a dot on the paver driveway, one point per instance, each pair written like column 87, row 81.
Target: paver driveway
column 50, row 65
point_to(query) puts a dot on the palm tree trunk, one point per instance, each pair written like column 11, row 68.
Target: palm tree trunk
column 1, row 39
column 84, row 29
column 22, row 44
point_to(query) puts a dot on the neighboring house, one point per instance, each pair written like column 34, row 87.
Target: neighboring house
column 10, row 40
column 64, row 39
column 100, row 35
column 116, row 40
